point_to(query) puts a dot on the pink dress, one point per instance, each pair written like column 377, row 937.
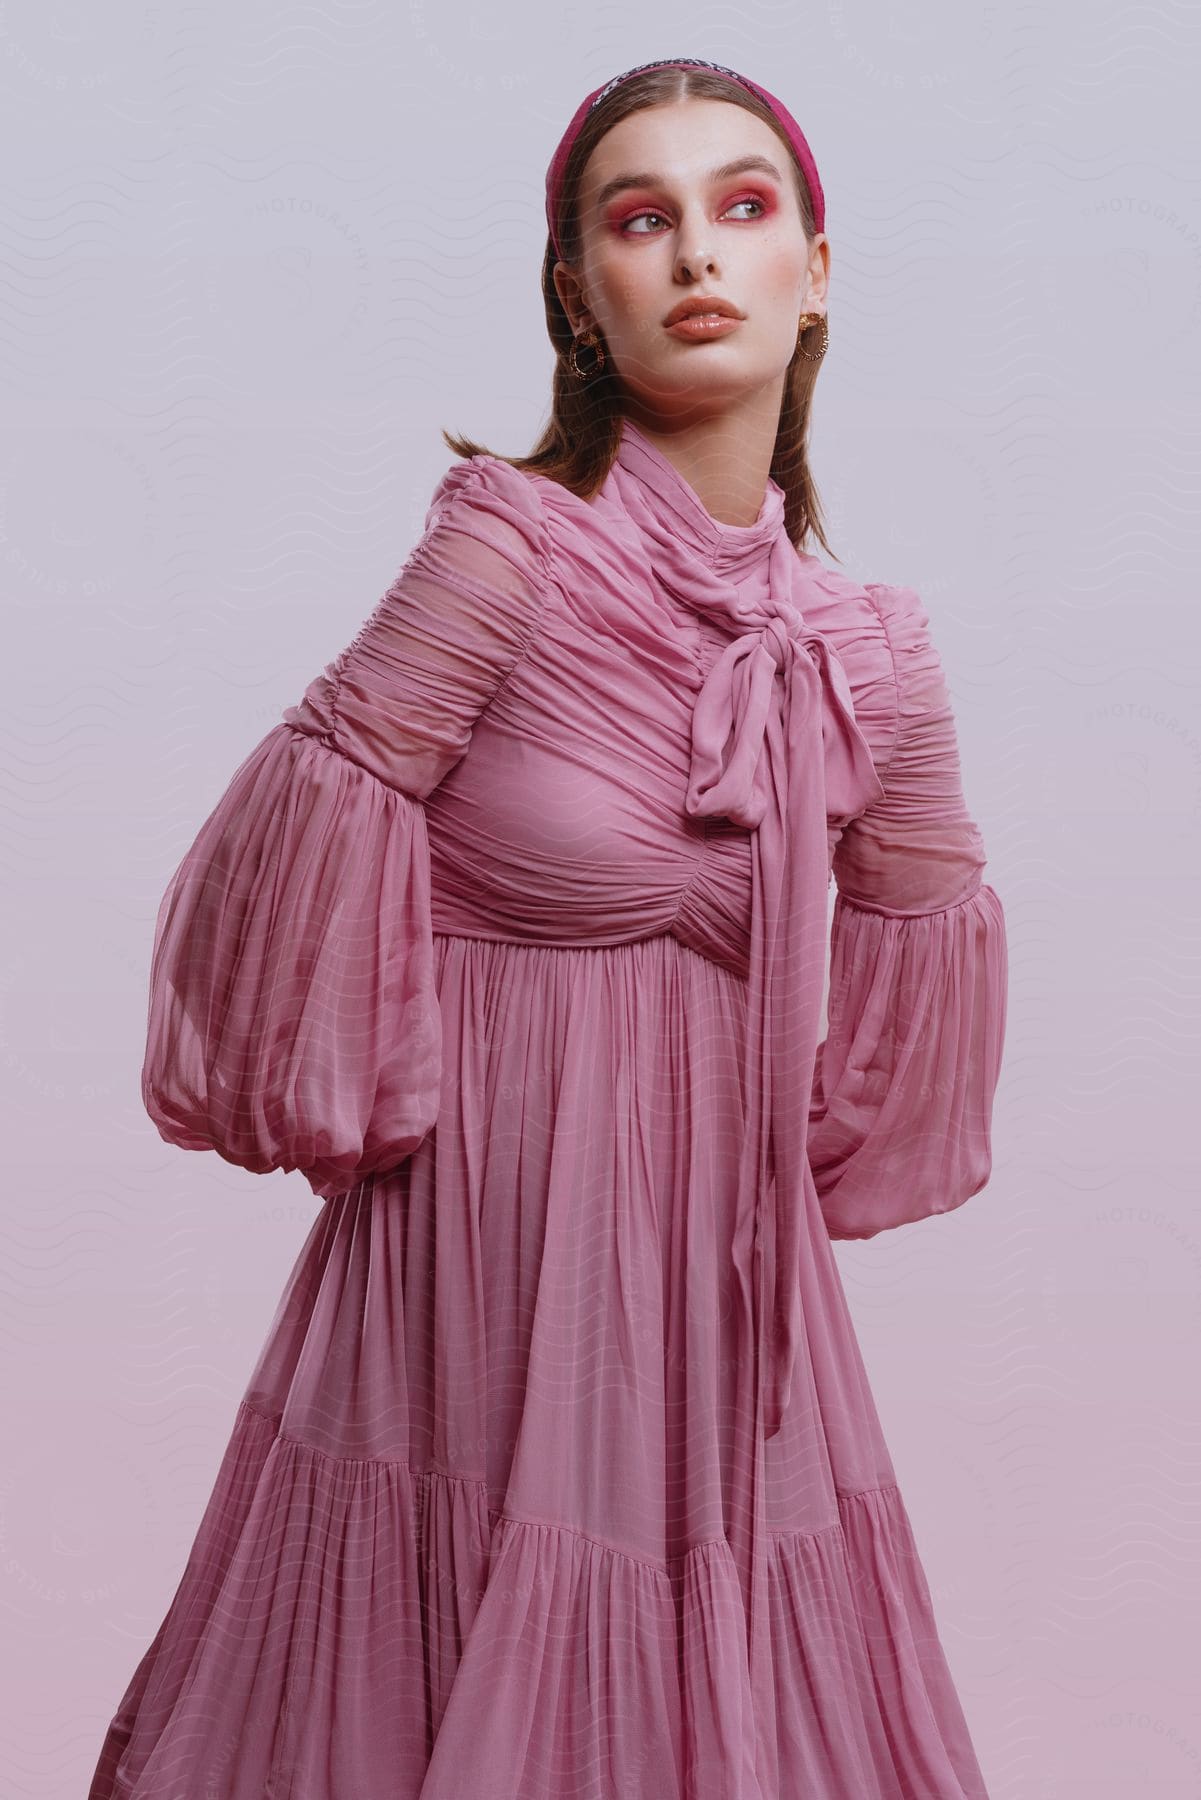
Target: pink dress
column 559, row 1476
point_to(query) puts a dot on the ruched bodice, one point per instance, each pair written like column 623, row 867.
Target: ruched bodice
column 585, row 841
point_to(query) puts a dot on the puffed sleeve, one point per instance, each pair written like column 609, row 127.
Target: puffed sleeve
column 293, row 1021
column 901, row 1117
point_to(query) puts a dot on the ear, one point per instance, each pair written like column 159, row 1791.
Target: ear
column 819, row 273
column 567, row 286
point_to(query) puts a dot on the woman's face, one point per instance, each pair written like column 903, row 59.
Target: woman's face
column 661, row 221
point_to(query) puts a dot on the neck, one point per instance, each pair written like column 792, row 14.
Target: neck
column 725, row 460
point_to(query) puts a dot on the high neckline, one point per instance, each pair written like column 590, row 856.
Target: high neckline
column 729, row 549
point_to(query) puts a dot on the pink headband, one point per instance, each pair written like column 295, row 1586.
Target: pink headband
column 558, row 164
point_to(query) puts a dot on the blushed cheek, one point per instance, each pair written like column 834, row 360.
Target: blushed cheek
column 632, row 301
column 781, row 277
column 635, row 315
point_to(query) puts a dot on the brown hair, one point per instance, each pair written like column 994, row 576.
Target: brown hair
column 578, row 445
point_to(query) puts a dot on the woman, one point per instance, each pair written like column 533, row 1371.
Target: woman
column 559, row 1474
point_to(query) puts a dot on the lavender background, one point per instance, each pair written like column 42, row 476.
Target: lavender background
column 252, row 259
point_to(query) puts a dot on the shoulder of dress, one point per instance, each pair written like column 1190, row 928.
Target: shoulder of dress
column 483, row 490
column 903, row 615
column 854, row 617
column 921, row 681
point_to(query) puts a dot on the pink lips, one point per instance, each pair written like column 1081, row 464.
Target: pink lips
column 698, row 326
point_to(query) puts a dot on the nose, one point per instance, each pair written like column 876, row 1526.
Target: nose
column 695, row 257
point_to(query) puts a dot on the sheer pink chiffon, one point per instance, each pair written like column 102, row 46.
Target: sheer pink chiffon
column 899, row 1129
column 450, row 945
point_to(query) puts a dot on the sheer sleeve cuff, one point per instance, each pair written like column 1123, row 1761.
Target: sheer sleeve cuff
column 293, row 1020
column 900, row 1121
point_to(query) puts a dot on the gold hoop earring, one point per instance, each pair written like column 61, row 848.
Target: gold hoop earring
column 806, row 320
column 591, row 341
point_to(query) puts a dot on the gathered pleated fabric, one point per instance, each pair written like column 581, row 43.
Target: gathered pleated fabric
column 559, row 1472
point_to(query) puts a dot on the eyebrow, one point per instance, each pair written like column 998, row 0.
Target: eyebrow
column 742, row 166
